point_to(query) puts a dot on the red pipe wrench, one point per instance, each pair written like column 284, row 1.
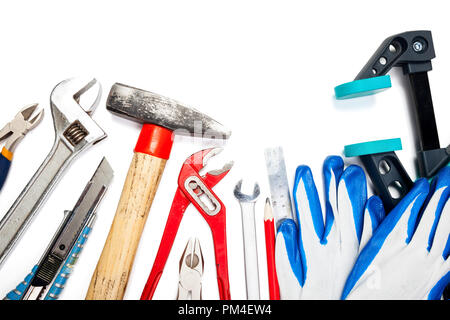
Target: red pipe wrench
column 194, row 188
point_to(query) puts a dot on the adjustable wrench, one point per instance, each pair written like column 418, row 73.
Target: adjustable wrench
column 75, row 131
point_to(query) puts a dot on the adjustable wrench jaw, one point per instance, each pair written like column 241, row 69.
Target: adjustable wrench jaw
column 75, row 131
column 196, row 162
column 72, row 117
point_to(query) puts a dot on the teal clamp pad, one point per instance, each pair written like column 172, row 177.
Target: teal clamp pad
column 17, row 293
column 363, row 87
column 372, row 147
column 66, row 270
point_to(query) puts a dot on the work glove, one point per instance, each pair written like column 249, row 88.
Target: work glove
column 407, row 256
column 314, row 258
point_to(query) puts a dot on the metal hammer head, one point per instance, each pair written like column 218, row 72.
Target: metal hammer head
column 147, row 107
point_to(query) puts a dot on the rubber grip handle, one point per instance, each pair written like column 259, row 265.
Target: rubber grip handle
column 110, row 278
column 65, row 272
column 17, row 293
column 5, row 164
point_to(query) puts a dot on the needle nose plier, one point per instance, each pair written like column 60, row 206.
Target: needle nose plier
column 196, row 189
column 14, row 131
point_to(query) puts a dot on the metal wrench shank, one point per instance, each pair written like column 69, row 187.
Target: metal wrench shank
column 250, row 250
column 75, row 131
column 247, row 204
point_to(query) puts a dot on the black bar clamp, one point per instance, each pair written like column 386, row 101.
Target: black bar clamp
column 413, row 52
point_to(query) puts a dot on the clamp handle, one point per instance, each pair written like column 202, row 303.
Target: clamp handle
column 65, row 272
column 413, row 51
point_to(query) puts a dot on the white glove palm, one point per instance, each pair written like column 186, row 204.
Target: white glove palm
column 407, row 257
column 314, row 259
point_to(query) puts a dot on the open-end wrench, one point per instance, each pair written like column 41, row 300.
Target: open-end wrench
column 247, row 202
column 75, row 131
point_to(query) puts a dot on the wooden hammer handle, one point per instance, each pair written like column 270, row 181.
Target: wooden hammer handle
column 113, row 269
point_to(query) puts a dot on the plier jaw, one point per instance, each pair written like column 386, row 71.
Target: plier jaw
column 16, row 129
column 196, row 187
column 192, row 188
column 191, row 272
column 197, row 162
column 13, row 132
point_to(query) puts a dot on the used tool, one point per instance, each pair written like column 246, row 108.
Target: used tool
column 48, row 278
column 269, row 231
column 14, row 131
column 247, row 203
column 399, row 263
column 75, row 131
column 163, row 118
column 389, row 177
column 196, row 189
column 191, row 272
column 279, row 187
column 413, row 52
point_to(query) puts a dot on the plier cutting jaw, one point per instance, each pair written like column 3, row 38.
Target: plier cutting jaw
column 194, row 188
column 191, row 272
column 13, row 132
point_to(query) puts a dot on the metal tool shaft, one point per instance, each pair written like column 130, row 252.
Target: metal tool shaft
column 32, row 197
column 247, row 203
column 75, row 131
column 250, row 250
column 47, row 279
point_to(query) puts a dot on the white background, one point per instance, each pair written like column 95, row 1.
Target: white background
column 265, row 69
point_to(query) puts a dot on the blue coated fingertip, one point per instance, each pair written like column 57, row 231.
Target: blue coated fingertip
column 296, row 255
column 333, row 165
column 363, row 87
column 355, row 181
column 372, row 147
column 443, row 177
column 304, row 175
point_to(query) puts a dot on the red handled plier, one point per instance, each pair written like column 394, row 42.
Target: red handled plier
column 192, row 187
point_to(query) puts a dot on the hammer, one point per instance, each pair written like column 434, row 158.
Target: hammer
column 162, row 118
